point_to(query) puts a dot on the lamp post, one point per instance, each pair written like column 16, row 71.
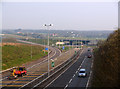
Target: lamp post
column 47, row 26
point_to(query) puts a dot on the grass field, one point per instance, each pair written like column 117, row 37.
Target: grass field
column 15, row 55
column 43, row 41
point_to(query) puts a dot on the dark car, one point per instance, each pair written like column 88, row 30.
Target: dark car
column 89, row 56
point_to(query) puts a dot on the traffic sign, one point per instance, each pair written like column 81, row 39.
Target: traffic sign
column 75, row 52
column 63, row 47
column 46, row 48
column 53, row 64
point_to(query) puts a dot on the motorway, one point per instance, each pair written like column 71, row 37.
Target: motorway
column 66, row 79
column 69, row 78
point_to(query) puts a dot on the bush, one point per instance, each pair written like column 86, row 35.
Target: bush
column 106, row 62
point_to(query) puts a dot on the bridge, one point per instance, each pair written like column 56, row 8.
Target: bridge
column 74, row 41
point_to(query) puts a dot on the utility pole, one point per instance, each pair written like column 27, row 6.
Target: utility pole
column 48, row 28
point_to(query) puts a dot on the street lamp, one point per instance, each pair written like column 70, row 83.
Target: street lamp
column 47, row 26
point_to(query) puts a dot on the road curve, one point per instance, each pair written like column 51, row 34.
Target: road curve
column 5, row 82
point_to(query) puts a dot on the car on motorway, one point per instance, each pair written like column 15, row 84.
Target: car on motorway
column 82, row 73
column 89, row 56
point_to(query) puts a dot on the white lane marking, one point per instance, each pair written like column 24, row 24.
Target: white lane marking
column 88, row 80
column 53, row 80
column 89, row 76
column 33, row 65
column 62, row 73
column 66, row 86
column 82, row 62
column 67, row 51
column 41, row 62
column 92, row 65
column 78, row 68
column 73, row 75
column 32, row 80
column 70, row 80
column 76, row 72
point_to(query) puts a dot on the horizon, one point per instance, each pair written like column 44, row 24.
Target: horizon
column 52, row 30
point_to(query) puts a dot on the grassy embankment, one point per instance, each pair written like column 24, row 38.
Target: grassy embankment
column 15, row 54
column 106, row 62
column 43, row 41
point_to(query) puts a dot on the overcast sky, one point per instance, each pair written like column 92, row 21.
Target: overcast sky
column 63, row 15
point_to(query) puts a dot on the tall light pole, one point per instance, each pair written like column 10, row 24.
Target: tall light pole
column 47, row 26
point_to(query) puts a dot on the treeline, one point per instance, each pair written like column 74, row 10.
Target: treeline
column 106, row 62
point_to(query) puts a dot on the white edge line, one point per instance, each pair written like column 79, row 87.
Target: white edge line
column 51, row 82
column 31, row 81
column 89, row 76
column 88, row 80
column 77, row 70
column 61, row 74
column 34, row 79
column 31, row 66
column 41, row 61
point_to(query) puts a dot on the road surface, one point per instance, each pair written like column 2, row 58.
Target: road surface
column 70, row 77
column 31, row 66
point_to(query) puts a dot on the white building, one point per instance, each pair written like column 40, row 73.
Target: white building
column 60, row 43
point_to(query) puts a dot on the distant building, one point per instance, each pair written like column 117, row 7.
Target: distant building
column 54, row 34
column 1, row 34
column 19, row 32
column 60, row 43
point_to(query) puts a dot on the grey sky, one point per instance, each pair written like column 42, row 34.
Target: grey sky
column 63, row 15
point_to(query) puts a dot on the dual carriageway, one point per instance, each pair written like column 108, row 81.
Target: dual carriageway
column 65, row 79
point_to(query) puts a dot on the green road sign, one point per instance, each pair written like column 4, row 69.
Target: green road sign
column 53, row 64
column 75, row 52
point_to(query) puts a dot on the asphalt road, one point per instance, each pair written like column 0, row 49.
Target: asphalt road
column 21, row 81
column 70, row 77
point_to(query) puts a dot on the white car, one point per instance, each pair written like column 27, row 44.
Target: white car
column 82, row 73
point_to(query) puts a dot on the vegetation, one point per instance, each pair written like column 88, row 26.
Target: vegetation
column 17, row 54
column 106, row 63
column 41, row 33
column 43, row 41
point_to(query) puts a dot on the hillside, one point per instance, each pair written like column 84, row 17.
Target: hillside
column 106, row 62
column 15, row 54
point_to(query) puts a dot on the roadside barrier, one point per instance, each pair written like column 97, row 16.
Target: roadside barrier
column 42, row 79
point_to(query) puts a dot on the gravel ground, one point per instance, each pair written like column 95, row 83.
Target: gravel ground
column 44, row 67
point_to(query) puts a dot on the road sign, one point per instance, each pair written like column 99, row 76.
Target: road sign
column 75, row 52
column 46, row 48
column 53, row 64
column 63, row 47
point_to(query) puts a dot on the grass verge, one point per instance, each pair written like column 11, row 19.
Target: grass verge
column 16, row 55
